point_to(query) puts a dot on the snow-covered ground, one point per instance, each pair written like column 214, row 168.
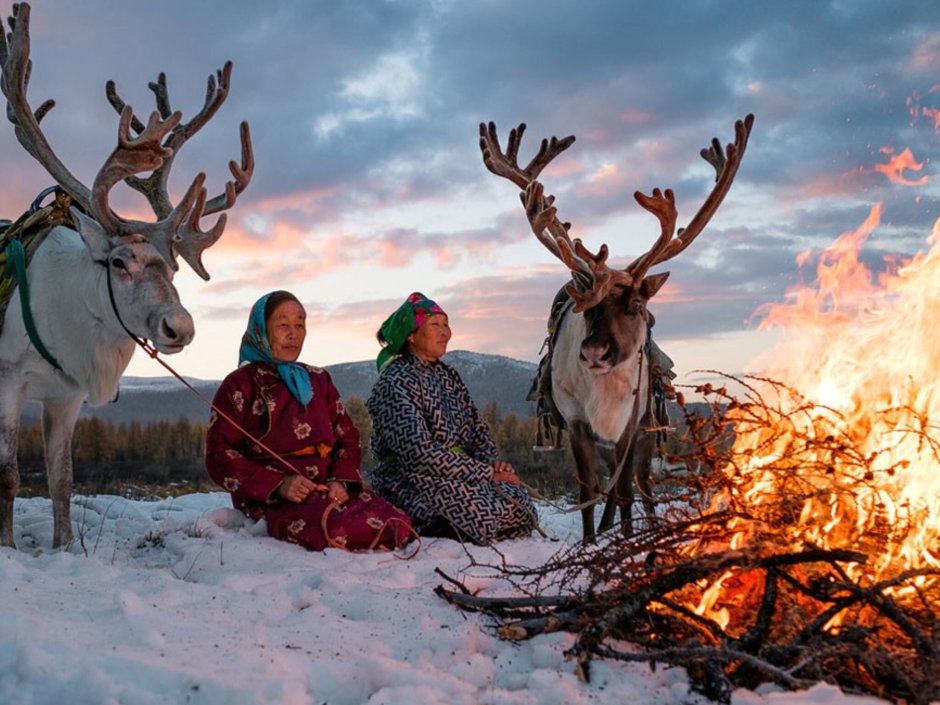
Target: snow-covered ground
column 185, row 601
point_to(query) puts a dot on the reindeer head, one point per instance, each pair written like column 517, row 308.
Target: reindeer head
column 128, row 247
column 140, row 286
column 613, row 301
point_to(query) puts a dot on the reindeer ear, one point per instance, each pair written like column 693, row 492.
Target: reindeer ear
column 96, row 239
column 652, row 284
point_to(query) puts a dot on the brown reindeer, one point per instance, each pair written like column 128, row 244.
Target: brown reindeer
column 96, row 279
column 599, row 375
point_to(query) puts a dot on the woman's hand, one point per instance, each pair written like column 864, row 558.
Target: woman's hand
column 337, row 492
column 503, row 472
column 296, row 488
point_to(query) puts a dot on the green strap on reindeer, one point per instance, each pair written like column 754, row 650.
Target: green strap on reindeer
column 16, row 266
column 15, row 255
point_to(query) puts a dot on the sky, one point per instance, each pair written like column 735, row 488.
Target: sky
column 369, row 182
column 186, row 600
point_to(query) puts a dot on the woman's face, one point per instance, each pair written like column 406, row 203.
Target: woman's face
column 287, row 328
column 430, row 340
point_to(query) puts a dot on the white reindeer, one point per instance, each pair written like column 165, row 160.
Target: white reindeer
column 600, row 368
column 94, row 287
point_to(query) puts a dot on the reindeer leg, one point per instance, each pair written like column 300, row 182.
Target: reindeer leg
column 624, row 486
column 637, row 469
column 9, row 471
column 582, row 447
column 11, row 404
column 610, row 507
column 9, row 483
column 58, row 422
column 643, row 465
column 610, row 510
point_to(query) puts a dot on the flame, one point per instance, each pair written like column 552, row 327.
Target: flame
column 918, row 110
column 934, row 115
column 866, row 350
column 900, row 163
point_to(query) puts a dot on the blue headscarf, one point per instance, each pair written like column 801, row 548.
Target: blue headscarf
column 256, row 348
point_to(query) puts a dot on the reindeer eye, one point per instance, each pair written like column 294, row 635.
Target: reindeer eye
column 636, row 306
column 118, row 263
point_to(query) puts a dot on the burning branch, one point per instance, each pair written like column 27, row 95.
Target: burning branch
column 767, row 565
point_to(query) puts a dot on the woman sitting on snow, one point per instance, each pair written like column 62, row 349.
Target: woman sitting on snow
column 437, row 460
column 311, row 491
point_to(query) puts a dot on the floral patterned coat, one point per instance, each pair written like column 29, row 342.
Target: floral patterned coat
column 435, row 450
column 319, row 442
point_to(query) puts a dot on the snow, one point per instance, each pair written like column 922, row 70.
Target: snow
column 186, row 601
column 162, row 384
column 481, row 362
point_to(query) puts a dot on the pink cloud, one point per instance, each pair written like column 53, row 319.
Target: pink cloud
column 926, row 56
column 607, row 179
column 634, row 116
column 392, row 255
column 313, row 201
column 827, row 186
column 446, row 257
column 601, row 136
column 564, row 166
column 502, row 314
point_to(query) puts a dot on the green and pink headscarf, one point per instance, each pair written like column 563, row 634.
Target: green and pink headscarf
column 407, row 318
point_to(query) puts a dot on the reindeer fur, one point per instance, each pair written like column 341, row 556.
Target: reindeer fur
column 605, row 414
column 605, row 402
column 77, row 324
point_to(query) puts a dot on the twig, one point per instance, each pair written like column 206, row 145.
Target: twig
column 453, row 581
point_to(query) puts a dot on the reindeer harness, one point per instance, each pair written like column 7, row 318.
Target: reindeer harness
column 19, row 242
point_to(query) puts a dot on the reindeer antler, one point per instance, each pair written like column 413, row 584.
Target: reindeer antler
column 592, row 277
column 506, row 165
column 145, row 153
column 177, row 229
column 14, row 81
column 154, row 187
column 664, row 208
column 188, row 240
column 539, row 208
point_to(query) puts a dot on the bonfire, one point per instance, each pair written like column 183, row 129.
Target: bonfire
column 804, row 543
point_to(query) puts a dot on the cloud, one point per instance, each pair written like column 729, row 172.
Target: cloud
column 365, row 122
column 391, row 88
column 925, row 55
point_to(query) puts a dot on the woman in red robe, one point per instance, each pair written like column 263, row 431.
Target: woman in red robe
column 303, row 476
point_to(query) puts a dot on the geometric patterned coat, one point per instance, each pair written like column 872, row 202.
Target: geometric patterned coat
column 434, row 452
column 319, row 442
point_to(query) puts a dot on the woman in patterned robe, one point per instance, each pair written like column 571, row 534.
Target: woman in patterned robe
column 313, row 495
column 437, row 460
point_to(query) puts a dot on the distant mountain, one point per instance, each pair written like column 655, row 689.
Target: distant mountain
column 492, row 379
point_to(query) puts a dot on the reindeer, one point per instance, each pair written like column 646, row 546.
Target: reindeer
column 104, row 284
column 600, row 376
